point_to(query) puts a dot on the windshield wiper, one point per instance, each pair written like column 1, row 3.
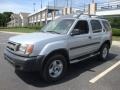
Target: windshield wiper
column 53, row 32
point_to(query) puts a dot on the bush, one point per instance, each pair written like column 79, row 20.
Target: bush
column 37, row 27
column 3, row 27
column 114, row 21
column 22, row 30
column 116, row 32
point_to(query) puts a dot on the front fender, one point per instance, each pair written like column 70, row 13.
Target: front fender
column 53, row 46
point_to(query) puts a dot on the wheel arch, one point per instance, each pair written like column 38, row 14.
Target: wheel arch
column 62, row 51
column 106, row 42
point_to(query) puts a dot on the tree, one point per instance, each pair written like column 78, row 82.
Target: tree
column 4, row 18
column 115, row 21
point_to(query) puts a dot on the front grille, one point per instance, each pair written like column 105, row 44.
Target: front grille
column 13, row 46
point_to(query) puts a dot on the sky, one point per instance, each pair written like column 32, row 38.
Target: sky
column 17, row 6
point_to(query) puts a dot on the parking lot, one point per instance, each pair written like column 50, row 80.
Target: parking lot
column 90, row 74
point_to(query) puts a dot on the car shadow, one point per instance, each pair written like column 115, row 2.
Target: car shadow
column 34, row 79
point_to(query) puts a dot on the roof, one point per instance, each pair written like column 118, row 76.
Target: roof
column 10, row 22
column 15, row 15
column 24, row 14
column 46, row 8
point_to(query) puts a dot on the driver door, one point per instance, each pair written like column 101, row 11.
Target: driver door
column 80, row 39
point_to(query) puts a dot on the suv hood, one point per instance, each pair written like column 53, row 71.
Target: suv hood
column 33, row 37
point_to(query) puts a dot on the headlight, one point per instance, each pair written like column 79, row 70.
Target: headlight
column 27, row 49
column 22, row 48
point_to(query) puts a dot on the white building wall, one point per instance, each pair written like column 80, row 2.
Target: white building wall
column 108, row 12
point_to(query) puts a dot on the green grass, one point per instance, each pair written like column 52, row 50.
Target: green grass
column 115, row 32
column 22, row 30
column 116, row 38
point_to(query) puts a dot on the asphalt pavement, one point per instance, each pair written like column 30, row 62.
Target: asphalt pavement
column 77, row 78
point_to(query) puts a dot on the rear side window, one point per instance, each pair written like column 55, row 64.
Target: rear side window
column 106, row 25
column 96, row 26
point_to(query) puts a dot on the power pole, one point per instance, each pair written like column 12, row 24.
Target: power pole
column 84, row 4
column 41, row 14
column 93, row 1
column 71, row 7
column 54, row 4
column 54, row 10
column 48, row 3
column 41, row 4
column 67, row 3
column 34, row 6
column 71, row 4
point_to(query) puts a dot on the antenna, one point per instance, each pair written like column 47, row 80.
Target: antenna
column 77, row 15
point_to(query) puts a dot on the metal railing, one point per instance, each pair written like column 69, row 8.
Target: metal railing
column 108, row 6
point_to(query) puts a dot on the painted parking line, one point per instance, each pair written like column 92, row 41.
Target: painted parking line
column 95, row 79
column 116, row 43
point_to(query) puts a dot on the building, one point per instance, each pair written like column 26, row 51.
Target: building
column 18, row 20
column 40, row 17
column 44, row 15
column 15, row 20
column 24, row 19
column 49, row 13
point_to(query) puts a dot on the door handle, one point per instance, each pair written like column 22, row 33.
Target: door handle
column 90, row 37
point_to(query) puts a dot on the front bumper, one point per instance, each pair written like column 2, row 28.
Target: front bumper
column 24, row 63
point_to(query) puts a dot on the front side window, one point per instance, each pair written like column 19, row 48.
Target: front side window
column 60, row 26
column 82, row 27
column 96, row 26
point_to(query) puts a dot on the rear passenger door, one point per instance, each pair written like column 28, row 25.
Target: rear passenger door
column 96, row 33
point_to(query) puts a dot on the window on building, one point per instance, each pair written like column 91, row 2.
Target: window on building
column 39, row 17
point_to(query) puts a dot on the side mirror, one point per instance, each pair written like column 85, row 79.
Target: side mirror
column 75, row 32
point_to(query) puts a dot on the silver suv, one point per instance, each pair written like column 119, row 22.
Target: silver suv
column 66, row 40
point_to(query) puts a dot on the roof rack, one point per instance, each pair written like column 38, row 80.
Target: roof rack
column 79, row 15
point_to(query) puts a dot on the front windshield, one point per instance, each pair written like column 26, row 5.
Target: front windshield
column 58, row 26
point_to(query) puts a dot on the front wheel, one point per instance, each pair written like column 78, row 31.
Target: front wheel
column 55, row 68
column 104, row 51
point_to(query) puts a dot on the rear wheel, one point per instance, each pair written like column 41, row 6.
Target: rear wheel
column 104, row 51
column 55, row 68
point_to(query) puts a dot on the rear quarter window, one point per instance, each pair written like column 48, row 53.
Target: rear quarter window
column 96, row 26
column 106, row 25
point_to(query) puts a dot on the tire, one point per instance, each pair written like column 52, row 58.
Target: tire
column 104, row 51
column 55, row 68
